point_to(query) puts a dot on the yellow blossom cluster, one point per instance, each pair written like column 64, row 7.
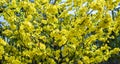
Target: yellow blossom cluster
column 47, row 32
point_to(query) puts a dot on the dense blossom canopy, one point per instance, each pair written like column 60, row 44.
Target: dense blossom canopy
column 58, row 32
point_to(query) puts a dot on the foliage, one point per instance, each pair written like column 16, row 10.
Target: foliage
column 43, row 31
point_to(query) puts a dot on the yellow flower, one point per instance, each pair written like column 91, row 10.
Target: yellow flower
column 44, row 1
column 31, row 10
column 64, row 14
column 29, row 17
column 28, row 26
column 13, row 26
column 11, row 19
column 65, row 51
column 67, row 59
column 53, row 9
column 42, row 46
column 57, row 54
column 80, row 62
column 44, row 21
column 55, row 19
column 98, row 59
column 113, row 37
column 1, row 51
column 51, row 61
column 86, row 59
column 78, row 3
column 115, row 51
column 26, row 53
column 98, row 52
column 14, row 4
column 7, row 32
column 11, row 58
column 63, row 41
column 16, row 62
column 23, row 4
column 43, row 38
column 6, row 57
column 2, row 42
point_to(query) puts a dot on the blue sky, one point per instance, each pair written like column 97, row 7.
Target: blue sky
column 2, row 19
